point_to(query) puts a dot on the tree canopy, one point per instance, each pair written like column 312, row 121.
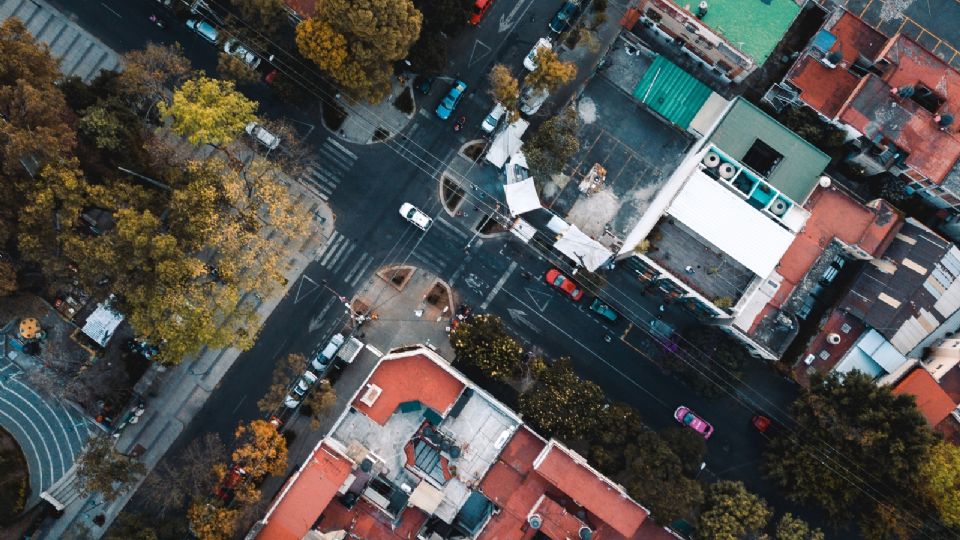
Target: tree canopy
column 654, row 476
column 844, row 421
column 356, row 42
column 209, row 111
column 940, row 481
column 211, row 520
column 285, row 371
column 793, row 528
column 730, row 512
column 551, row 72
column 563, row 405
column 319, row 401
column 554, row 142
column 261, row 449
column 505, row 89
column 102, row 469
column 483, row 342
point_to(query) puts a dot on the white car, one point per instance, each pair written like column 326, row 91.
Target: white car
column 530, row 62
column 413, row 214
column 532, row 99
column 321, row 362
column 203, row 29
column 266, row 138
column 493, row 119
column 235, row 48
column 294, row 398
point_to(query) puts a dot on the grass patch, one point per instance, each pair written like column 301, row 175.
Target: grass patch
column 333, row 115
column 404, row 102
column 14, row 485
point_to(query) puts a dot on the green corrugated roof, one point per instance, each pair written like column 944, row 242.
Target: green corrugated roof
column 671, row 92
column 802, row 163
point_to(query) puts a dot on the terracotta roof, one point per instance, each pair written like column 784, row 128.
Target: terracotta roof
column 367, row 521
column 826, row 89
column 306, row 495
column 950, row 382
column 570, row 474
column 558, row 523
column 512, row 485
column 932, row 401
column 818, row 344
column 305, row 8
column 411, row 378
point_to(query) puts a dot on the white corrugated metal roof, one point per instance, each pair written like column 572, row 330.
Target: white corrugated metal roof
column 729, row 223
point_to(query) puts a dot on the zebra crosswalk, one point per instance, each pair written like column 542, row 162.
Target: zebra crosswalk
column 337, row 256
column 443, row 239
column 331, row 165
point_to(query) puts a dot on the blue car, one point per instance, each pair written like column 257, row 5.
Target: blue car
column 449, row 103
column 561, row 21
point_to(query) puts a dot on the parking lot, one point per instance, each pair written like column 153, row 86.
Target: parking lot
column 932, row 23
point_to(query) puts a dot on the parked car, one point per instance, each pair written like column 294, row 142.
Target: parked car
column 530, row 62
column 492, row 120
column 203, row 29
column 562, row 20
column 532, row 99
column 322, row 360
column 604, row 310
column 229, row 484
column 688, row 418
column 235, row 48
column 450, row 101
column 480, row 8
column 423, row 84
column 414, row 215
column 300, row 389
column 556, row 279
column 266, row 138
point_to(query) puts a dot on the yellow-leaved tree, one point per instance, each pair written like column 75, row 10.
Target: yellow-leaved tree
column 209, row 111
column 262, row 449
column 940, row 472
column 551, row 72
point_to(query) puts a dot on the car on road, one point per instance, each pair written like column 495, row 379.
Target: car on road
column 225, row 490
column 266, row 138
column 532, row 99
column 300, row 389
column 423, row 84
column 480, row 8
column 203, row 29
column 322, row 360
column 235, row 48
column 530, row 62
column 414, row 215
column 688, row 418
column 492, row 120
column 450, row 101
column 564, row 17
column 555, row 278
column 605, row 311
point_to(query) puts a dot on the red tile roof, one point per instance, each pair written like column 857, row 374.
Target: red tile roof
column 305, row 8
column 306, row 495
column 570, row 474
column 367, row 521
column 950, row 382
column 827, row 89
column 558, row 523
column 511, row 484
column 819, row 343
column 932, row 401
column 411, row 378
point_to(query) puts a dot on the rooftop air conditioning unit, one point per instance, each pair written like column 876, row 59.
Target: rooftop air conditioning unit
column 370, row 396
column 833, row 338
column 809, row 359
column 711, row 159
column 727, row 171
column 779, row 207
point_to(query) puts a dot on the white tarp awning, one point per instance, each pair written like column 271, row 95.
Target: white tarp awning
column 507, row 143
column 584, row 250
column 426, row 498
column 101, row 324
column 521, row 197
column 728, row 222
column 523, row 230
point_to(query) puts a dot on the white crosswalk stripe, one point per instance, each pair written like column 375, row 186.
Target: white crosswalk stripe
column 432, row 257
column 331, row 165
column 342, row 258
column 359, row 270
column 449, row 229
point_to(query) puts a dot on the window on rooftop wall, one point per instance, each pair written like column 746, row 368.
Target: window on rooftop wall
column 762, row 158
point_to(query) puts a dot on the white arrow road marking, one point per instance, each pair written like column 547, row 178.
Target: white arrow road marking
column 508, row 21
column 521, row 317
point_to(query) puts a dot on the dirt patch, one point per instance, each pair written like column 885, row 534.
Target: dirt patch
column 474, row 150
column 14, row 480
column 438, row 296
column 397, row 276
column 452, row 193
column 380, row 134
column 333, row 115
column 404, row 102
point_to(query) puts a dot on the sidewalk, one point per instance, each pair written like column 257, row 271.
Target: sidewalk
column 368, row 124
column 175, row 395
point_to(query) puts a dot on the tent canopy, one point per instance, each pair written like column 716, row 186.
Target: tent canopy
column 584, row 250
column 521, row 197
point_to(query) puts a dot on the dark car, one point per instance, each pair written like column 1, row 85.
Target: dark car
column 562, row 20
column 423, row 84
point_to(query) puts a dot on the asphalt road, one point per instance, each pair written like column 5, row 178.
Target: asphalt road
column 369, row 184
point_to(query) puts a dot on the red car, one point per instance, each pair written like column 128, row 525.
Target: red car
column 687, row 417
column 556, row 279
column 480, row 8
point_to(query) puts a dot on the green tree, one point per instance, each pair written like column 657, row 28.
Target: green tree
column 102, row 126
column 505, row 89
column 654, row 475
column 285, row 372
column 551, row 72
column 319, row 402
column 554, row 142
column 940, row 481
column 130, row 526
column 357, row 41
column 102, row 469
column 617, row 426
column 882, row 433
column 793, row 528
column 483, row 342
column 688, row 445
column 730, row 512
column 562, row 404
column 8, row 278
column 267, row 16
column 209, row 111
column 261, row 449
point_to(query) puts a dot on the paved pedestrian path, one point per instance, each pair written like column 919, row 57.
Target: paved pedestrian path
column 364, row 119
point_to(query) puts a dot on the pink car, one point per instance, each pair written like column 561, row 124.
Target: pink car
column 687, row 417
